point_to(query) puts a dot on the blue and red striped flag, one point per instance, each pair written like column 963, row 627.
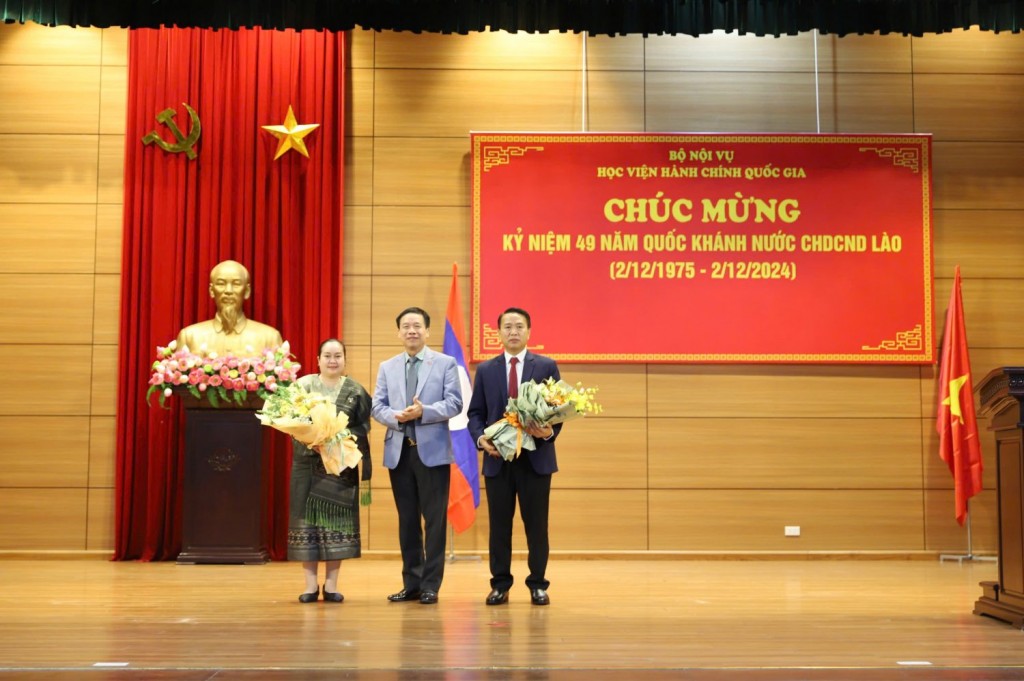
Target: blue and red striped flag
column 464, row 493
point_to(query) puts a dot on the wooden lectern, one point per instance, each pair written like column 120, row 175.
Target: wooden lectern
column 1000, row 395
column 222, row 514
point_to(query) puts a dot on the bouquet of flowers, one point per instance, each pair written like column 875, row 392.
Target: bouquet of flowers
column 314, row 421
column 220, row 379
column 539, row 404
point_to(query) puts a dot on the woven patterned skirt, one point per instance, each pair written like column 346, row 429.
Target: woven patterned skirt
column 323, row 514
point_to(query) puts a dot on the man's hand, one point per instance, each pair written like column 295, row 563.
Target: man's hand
column 543, row 432
column 410, row 413
column 488, row 446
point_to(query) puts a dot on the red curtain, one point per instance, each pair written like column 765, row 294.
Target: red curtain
column 281, row 219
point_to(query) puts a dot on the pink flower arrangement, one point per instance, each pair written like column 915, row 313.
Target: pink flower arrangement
column 221, row 379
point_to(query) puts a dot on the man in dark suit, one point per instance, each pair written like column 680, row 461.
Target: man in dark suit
column 417, row 392
column 527, row 477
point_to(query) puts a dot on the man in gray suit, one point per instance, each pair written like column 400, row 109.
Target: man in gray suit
column 417, row 392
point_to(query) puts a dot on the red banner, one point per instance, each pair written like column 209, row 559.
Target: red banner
column 706, row 248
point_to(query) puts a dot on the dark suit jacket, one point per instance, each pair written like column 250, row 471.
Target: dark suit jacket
column 490, row 397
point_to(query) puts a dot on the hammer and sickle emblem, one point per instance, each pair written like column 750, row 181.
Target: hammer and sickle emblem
column 184, row 144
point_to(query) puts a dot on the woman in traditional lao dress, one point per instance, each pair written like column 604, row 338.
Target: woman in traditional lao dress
column 323, row 518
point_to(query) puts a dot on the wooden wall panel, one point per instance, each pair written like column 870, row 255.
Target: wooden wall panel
column 46, row 308
column 865, row 53
column 392, row 294
column 867, row 103
column 479, row 51
column 99, row 530
column 602, row 454
column 43, row 519
column 985, row 304
column 970, row 51
column 102, row 451
column 944, row 534
column 753, row 520
column 382, row 534
column 783, row 391
column 708, row 102
column 983, row 175
column 113, row 100
column 361, row 45
column 421, row 240
column 50, row 99
column 729, row 52
column 765, row 454
column 47, row 238
column 586, row 520
column 621, row 389
column 615, row 53
column 985, row 243
column 34, row 44
column 108, row 238
column 430, row 104
column 67, row 396
column 43, row 169
column 358, row 244
column 615, row 103
column 44, row 451
column 357, row 303
column 421, row 171
column 359, row 107
column 359, row 171
column 107, row 311
column 110, row 173
column 103, row 399
column 969, row 107
column 115, row 46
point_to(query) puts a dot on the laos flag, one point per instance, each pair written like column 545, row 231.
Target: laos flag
column 464, row 492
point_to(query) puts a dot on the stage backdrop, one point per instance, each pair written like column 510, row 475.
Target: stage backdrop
column 281, row 219
column 706, row 248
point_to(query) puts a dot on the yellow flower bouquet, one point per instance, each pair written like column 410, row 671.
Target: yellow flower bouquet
column 539, row 404
column 314, row 421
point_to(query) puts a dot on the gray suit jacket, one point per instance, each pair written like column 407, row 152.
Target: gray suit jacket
column 439, row 391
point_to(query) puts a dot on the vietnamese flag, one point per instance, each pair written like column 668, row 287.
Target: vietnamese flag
column 956, row 422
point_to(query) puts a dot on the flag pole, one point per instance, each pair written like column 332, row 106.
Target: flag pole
column 969, row 556
column 452, row 557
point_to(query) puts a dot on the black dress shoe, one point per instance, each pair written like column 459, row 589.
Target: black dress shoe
column 539, row 597
column 309, row 598
column 332, row 596
column 497, row 597
column 405, row 595
column 428, row 597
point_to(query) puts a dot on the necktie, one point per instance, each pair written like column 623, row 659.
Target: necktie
column 411, row 375
column 513, row 379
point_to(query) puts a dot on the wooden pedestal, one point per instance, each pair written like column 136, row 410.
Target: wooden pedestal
column 1000, row 395
column 223, row 496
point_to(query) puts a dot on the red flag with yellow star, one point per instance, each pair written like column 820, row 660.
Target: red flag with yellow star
column 956, row 423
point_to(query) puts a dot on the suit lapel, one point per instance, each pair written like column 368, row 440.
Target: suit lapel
column 428, row 364
column 527, row 368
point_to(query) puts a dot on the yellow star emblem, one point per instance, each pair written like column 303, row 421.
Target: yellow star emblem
column 291, row 133
column 953, row 401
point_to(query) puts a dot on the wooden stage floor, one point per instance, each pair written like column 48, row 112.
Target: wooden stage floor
column 609, row 619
